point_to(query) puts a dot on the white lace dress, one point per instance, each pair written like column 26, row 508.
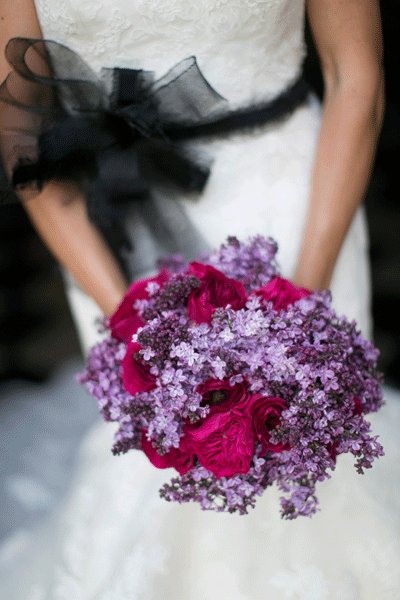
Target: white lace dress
column 114, row 538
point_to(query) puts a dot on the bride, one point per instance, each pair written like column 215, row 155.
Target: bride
column 301, row 180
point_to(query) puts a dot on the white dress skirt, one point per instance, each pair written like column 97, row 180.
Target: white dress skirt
column 114, row 538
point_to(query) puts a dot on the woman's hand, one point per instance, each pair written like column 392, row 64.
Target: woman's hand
column 348, row 38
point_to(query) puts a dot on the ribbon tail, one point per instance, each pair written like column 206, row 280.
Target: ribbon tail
column 165, row 162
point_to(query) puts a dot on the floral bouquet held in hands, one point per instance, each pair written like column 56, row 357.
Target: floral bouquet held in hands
column 237, row 379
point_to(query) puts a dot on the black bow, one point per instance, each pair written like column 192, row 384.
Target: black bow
column 117, row 134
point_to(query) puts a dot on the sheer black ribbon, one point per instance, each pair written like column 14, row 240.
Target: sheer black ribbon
column 115, row 134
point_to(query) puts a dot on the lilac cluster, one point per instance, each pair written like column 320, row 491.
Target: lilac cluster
column 318, row 363
column 253, row 263
column 102, row 378
column 226, row 494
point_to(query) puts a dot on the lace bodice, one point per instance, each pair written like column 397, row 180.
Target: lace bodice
column 247, row 49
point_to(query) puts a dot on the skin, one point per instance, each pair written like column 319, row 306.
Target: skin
column 348, row 38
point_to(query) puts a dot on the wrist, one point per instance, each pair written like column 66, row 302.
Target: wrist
column 314, row 272
column 110, row 300
column 311, row 281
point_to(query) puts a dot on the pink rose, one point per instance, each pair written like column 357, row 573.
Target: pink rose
column 215, row 291
column 181, row 458
column 223, row 442
column 265, row 413
column 135, row 375
column 281, row 292
column 218, row 393
column 125, row 321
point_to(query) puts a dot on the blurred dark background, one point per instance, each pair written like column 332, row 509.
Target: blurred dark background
column 36, row 328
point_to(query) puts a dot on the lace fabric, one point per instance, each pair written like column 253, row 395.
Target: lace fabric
column 116, row 540
column 258, row 43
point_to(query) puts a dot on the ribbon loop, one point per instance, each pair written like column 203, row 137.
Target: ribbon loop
column 116, row 134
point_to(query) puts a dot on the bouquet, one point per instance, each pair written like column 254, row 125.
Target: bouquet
column 237, row 379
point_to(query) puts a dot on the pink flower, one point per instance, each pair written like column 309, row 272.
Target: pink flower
column 265, row 413
column 219, row 393
column 281, row 292
column 135, row 375
column 125, row 321
column 181, row 459
column 215, row 291
column 223, row 442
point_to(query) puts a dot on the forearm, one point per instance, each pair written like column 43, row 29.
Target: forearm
column 64, row 226
column 351, row 122
column 59, row 215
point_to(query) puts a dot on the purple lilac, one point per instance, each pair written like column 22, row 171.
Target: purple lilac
column 253, row 263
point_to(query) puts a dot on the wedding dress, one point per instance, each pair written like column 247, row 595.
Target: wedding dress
column 114, row 538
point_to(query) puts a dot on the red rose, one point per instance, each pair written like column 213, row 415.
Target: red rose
column 223, row 442
column 181, row 458
column 282, row 293
column 125, row 321
column 265, row 413
column 215, row 291
column 136, row 376
column 218, row 393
